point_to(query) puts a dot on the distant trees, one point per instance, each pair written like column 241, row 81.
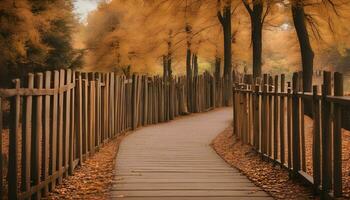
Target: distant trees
column 35, row 35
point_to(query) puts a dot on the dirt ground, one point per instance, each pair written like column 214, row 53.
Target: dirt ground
column 272, row 179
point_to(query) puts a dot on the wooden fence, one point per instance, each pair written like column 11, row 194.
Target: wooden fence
column 269, row 115
column 58, row 119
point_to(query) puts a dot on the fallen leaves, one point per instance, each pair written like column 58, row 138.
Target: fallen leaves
column 271, row 178
column 93, row 179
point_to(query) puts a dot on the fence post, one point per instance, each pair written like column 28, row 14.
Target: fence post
column 67, row 123
column 79, row 117
column 295, row 122
column 337, row 136
column 13, row 143
column 26, row 136
column 275, row 119
column 326, row 135
column 72, row 131
column 270, row 116
column 37, row 136
column 264, row 121
column 316, row 151
column 1, row 152
column 54, row 130
column 282, row 120
column 133, row 97
column 46, row 135
column 289, row 125
column 256, row 116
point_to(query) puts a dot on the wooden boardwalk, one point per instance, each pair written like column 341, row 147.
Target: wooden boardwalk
column 175, row 161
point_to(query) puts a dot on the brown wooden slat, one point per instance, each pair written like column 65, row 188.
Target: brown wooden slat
column 316, row 146
column 46, row 135
column 60, row 127
column 79, row 117
column 1, row 153
column 37, row 136
column 26, row 137
column 72, row 128
column 54, row 130
column 326, row 135
column 282, row 121
column 337, row 137
column 296, row 126
column 15, row 105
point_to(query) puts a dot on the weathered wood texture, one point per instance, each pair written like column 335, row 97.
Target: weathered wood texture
column 279, row 130
column 175, row 160
column 60, row 118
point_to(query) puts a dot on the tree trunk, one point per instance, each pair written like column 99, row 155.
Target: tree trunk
column 169, row 69
column 189, row 79
column 256, row 21
column 165, row 67
column 227, row 41
column 195, row 65
column 217, row 68
column 307, row 55
column 225, row 21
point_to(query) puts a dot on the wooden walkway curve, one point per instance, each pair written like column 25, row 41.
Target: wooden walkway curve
column 175, row 161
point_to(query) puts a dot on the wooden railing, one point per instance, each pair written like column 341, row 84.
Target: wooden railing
column 269, row 115
column 56, row 120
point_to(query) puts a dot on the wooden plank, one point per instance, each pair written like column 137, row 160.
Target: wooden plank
column 276, row 121
column 72, row 131
column 264, row 121
column 256, row 126
column 92, row 120
column 148, row 168
column 146, row 104
column 282, row 120
column 15, row 105
column 1, row 153
column 296, row 125
column 337, row 137
column 99, row 103
column 326, row 135
column 270, row 117
column 60, row 127
column 54, row 130
column 316, row 146
column 46, row 135
column 289, row 126
column 67, row 122
column 26, row 136
column 106, row 109
column 116, row 105
column 37, row 136
column 301, row 121
column 86, row 114
column 79, row 116
column 112, row 110
column 134, row 101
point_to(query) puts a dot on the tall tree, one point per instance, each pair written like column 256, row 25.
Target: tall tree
column 257, row 15
column 224, row 16
column 307, row 54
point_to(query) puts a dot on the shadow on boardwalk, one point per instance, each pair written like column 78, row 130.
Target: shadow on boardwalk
column 175, row 161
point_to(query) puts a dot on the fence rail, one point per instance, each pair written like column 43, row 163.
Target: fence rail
column 269, row 115
column 58, row 119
